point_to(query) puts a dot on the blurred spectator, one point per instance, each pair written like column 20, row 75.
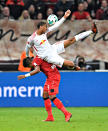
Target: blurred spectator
column 89, row 7
column 62, row 6
column 25, row 15
column 80, row 61
column 23, row 55
column 81, row 14
column 1, row 8
column 101, row 1
column 50, row 3
column 85, row 5
column 60, row 13
column 105, row 15
column 103, row 8
column 3, row 3
column 39, row 6
column 5, row 13
column 16, row 7
column 39, row 16
column 97, row 4
column 49, row 12
column 32, row 12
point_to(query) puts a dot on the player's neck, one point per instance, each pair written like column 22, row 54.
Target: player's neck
column 39, row 32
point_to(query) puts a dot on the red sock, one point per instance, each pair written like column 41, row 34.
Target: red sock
column 60, row 106
column 48, row 108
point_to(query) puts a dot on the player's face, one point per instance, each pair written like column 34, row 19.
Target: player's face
column 44, row 28
column 30, row 65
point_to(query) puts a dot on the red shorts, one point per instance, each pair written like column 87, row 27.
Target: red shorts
column 51, row 86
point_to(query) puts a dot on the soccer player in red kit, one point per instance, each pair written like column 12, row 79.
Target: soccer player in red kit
column 51, row 84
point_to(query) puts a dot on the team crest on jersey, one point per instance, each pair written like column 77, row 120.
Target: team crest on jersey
column 42, row 42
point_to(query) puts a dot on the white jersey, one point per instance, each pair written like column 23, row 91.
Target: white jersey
column 40, row 43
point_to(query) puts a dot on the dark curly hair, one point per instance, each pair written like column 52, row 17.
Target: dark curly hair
column 27, row 61
column 41, row 24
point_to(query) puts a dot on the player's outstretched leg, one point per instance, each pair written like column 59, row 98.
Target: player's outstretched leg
column 70, row 64
column 61, row 107
column 47, row 103
column 80, row 36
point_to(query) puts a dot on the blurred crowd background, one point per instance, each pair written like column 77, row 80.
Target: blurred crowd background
column 40, row 9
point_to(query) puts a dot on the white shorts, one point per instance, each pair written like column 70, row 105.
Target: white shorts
column 59, row 47
column 55, row 58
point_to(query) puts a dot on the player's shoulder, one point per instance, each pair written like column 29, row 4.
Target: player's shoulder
column 32, row 35
column 38, row 58
column 37, row 61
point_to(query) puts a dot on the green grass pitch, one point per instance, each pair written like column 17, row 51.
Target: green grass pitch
column 30, row 119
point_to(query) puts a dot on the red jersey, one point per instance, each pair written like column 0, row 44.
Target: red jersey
column 48, row 69
column 80, row 16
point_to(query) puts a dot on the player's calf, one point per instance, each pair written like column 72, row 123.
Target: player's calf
column 47, row 103
column 61, row 107
column 68, row 63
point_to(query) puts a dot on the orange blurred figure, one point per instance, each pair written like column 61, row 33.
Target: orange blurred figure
column 23, row 55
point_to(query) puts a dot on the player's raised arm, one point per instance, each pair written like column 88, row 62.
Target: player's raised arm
column 37, row 70
column 29, row 44
column 58, row 23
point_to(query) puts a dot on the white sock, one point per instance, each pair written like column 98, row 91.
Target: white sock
column 83, row 35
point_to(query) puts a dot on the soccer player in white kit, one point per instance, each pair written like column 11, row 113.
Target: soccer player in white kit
column 38, row 40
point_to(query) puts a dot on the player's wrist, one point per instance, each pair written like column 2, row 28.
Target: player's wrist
column 64, row 17
column 27, row 75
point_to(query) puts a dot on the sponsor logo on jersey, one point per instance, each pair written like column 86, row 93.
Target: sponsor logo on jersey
column 42, row 42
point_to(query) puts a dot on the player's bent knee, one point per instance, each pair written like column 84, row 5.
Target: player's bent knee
column 68, row 63
column 45, row 94
column 45, row 98
column 53, row 98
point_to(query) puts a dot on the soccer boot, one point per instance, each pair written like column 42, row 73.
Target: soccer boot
column 68, row 116
column 94, row 28
column 49, row 118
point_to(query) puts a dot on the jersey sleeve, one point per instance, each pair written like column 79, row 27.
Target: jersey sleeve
column 37, row 61
column 29, row 44
column 56, row 25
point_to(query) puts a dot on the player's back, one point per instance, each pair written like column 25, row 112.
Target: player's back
column 48, row 69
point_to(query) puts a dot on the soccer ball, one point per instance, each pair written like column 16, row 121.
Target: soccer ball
column 52, row 19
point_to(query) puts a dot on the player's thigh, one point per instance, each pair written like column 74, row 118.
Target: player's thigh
column 52, row 87
column 59, row 46
column 45, row 94
column 56, row 60
column 52, row 97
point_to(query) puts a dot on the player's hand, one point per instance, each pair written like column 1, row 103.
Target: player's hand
column 77, row 68
column 21, row 77
column 67, row 13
